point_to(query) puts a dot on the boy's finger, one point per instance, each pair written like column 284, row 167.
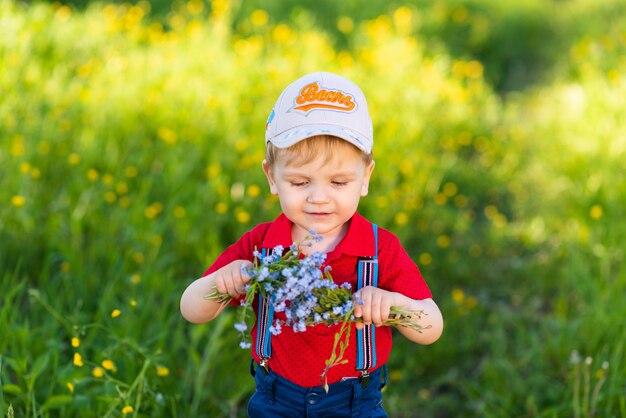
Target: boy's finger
column 375, row 310
column 230, row 285
column 385, row 308
column 220, row 286
column 364, row 307
column 358, row 305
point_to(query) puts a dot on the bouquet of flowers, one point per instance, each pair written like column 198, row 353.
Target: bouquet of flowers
column 307, row 295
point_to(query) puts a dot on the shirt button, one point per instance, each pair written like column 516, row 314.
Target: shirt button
column 311, row 398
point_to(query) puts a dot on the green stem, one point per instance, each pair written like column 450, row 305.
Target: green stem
column 136, row 382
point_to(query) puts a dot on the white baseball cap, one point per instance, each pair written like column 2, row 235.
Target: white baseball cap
column 320, row 104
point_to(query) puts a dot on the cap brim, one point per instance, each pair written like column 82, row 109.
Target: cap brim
column 295, row 135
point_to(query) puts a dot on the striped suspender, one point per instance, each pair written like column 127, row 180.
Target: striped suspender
column 366, row 338
column 265, row 317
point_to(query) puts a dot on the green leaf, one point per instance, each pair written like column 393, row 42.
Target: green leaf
column 40, row 365
column 18, row 367
column 11, row 388
column 56, row 401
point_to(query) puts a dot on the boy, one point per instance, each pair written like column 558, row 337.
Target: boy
column 319, row 141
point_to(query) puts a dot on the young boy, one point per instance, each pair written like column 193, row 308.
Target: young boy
column 319, row 141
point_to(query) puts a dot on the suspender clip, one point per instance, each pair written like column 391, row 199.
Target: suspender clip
column 365, row 378
column 264, row 366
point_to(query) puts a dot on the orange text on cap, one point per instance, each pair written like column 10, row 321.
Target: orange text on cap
column 311, row 97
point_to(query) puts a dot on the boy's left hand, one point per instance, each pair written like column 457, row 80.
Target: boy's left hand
column 373, row 305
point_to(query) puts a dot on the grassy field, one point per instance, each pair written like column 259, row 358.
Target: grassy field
column 130, row 158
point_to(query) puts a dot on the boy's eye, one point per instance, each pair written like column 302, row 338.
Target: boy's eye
column 298, row 183
column 339, row 183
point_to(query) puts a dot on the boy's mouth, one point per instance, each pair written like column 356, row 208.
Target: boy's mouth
column 318, row 213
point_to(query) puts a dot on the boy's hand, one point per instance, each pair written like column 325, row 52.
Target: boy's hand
column 373, row 305
column 231, row 280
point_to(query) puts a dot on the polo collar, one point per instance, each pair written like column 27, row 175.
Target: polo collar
column 358, row 242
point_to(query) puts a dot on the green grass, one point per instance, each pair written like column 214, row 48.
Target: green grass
column 131, row 158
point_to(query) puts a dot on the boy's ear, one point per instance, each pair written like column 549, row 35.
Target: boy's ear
column 270, row 178
column 366, row 179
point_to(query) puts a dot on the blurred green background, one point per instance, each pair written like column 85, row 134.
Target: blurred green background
column 130, row 150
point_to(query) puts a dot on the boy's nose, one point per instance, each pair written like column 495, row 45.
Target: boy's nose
column 318, row 195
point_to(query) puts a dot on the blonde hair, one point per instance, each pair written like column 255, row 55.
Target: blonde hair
column 307, row 150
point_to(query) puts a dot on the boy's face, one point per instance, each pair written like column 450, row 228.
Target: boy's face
column 322, row 194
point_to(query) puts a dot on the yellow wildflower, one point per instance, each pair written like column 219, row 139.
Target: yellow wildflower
column 458, row 296
column 131, row 171
column 92, row 174
column 78, row 360
column 253, row 190
column 116, row 313
column 110, row 197
column 73, row 158
column 75, row 342
column 97, row 372
column 162, row 371
column 259, row 17
column 596, row 212
column 443, row 241
column 345, row 24
column 127, row 410
column 242, row 216
column 441, row 199
column 221, row 207
column 70, row 386
column 401, row 218
column 18, row 201
column 108, row 364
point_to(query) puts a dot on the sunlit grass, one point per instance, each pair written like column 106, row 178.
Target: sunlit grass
column 131, row 155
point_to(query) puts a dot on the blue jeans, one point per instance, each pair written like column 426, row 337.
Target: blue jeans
column 276, row 396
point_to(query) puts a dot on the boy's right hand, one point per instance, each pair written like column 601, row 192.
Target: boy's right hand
column 231, row 280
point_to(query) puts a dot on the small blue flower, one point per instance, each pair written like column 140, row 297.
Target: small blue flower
column 241, row 326
column 276, row 328
column 245, row 345
column 358, row 298
column 263, row 274
column 248, row 271
column 278, row 251
column 315, row 236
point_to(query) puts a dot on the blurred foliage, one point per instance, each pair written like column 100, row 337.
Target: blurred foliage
column 519, row 43
column 131, row 150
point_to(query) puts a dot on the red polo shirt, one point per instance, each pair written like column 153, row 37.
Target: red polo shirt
column 300, row 357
